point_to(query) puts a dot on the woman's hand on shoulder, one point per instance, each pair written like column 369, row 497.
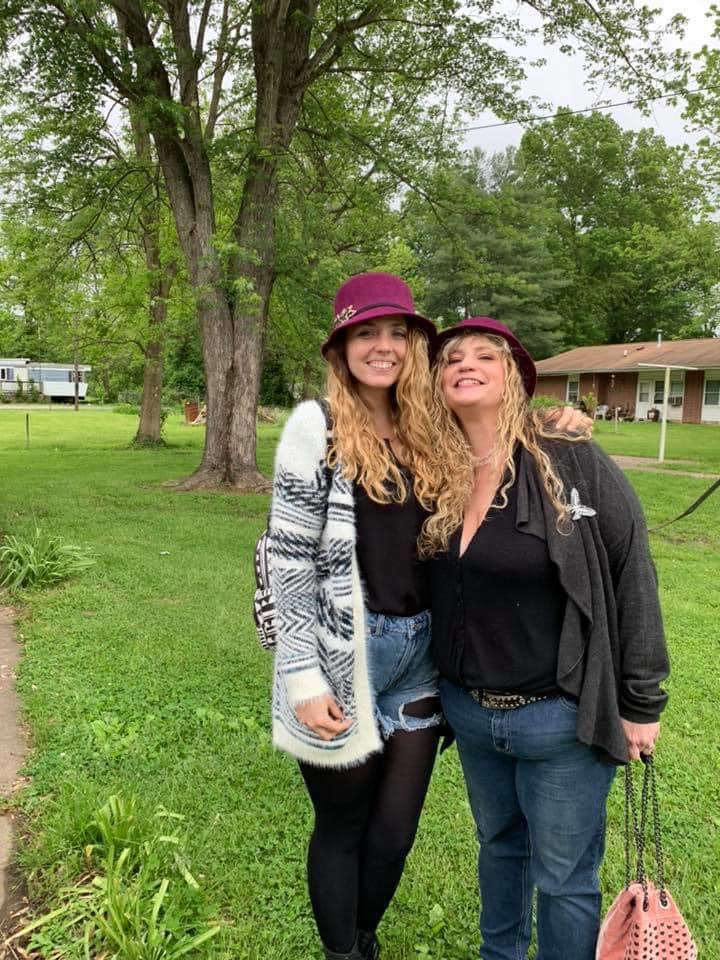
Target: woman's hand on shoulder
column 568, row 420
column 323, row 716
column 640, row 737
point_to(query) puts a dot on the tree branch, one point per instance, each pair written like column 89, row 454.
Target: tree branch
column 331, row 48
column 85, row 29
column 200, row 39
column 221, row 62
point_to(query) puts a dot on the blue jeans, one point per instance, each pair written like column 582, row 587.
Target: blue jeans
column 402, row 670
column 538, row 798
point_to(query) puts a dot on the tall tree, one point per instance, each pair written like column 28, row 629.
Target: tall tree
column 88, row 181
column 188, row 65
column 632, row 231
column 482, row 247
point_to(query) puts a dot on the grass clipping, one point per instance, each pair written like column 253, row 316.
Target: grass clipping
column 39, row 560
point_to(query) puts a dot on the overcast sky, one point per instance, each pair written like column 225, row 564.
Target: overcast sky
column 561, row 82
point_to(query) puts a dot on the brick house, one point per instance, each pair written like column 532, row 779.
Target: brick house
column 625, row 375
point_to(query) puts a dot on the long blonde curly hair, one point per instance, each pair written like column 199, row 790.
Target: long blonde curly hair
column 453, row 470
column 365, row 457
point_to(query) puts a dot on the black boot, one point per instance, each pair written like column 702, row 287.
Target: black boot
column 368, row 945
column 354, row 954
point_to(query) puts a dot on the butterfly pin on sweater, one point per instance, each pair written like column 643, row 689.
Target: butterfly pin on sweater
column 576, row 509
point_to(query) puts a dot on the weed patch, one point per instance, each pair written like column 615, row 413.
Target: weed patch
column 136, row 899
column 39, row 560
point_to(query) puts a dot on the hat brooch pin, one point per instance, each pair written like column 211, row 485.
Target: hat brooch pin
column 347, row 314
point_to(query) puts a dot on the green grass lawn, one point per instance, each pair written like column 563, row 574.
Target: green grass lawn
column 684, row 441
column 144, row 677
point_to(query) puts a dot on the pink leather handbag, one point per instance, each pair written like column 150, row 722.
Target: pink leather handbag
column 643, row 922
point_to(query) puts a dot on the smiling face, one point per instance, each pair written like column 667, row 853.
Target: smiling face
column 375, row 352
column 473, row 374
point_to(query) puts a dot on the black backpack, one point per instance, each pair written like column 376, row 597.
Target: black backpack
column 263, row 599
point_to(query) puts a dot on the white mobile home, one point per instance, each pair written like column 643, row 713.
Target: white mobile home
column 56, row 381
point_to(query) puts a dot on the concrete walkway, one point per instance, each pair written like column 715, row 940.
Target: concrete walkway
column 12, row 751
column 650, row 465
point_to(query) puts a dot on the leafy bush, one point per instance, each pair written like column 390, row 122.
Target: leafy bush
column 590, row 402
column 39, row 560
column 542, row 400
column 136, row 900
column 33, row 393
column 129, row 408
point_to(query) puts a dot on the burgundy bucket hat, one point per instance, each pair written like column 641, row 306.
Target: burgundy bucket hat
column 370, row 295
column 488, row 325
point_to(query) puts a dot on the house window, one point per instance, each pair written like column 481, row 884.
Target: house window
column 644, row 392
column 712, row 393
column 573, row 391
column 7, row 373
column 676, row 392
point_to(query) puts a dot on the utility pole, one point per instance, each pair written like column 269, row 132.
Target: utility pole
column 76, row 373
column 666, row 399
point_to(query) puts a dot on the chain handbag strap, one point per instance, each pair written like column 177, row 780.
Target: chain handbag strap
column 637, row 829
column 659, row 856
column 634, row 829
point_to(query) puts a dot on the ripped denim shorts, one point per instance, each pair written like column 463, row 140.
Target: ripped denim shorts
column 401, row 670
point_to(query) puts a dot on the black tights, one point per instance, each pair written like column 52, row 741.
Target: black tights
column 366, row 818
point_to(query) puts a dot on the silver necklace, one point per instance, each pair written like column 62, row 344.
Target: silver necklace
column 483, row 461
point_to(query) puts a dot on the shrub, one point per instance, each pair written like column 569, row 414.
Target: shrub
column 128, row 408
column 33, row 393
column 39, row 560
column 590, row 403
column 541, row 400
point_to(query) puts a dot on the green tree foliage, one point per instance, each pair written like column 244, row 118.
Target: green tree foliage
column 481, row 238
column 631, row 233
column 703, row 103
column 85, row 181
column 225, row 90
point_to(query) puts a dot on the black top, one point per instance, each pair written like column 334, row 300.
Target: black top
column 395, row 580
column 498, row 610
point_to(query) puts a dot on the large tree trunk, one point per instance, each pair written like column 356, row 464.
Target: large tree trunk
column 231, row 322
column 149, row 431
column 255, row 229
column 281, row 42
column 150, row 423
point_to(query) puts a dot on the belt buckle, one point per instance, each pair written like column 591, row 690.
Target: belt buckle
column 493, row 700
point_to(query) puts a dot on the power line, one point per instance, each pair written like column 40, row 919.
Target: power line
column 570, row 113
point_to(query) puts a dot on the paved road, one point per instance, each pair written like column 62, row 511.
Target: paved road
column 650, row 465
column 12, row 745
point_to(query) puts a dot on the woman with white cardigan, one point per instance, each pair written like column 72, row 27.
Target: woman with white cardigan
column 355, row 695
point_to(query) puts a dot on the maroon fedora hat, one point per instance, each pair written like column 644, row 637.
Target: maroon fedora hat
column 488, row 325
column 369, row 295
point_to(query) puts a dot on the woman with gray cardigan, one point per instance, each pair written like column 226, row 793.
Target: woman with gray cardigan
column 548, row 636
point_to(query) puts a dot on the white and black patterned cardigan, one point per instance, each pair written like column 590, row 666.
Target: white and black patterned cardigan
column 316, row 581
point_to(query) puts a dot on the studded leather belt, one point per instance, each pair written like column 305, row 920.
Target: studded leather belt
column 495, row 700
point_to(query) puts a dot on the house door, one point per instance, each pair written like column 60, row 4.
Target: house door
column 650, row 395
column 645, row 397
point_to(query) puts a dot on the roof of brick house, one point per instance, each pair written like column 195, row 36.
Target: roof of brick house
column 616, row 357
